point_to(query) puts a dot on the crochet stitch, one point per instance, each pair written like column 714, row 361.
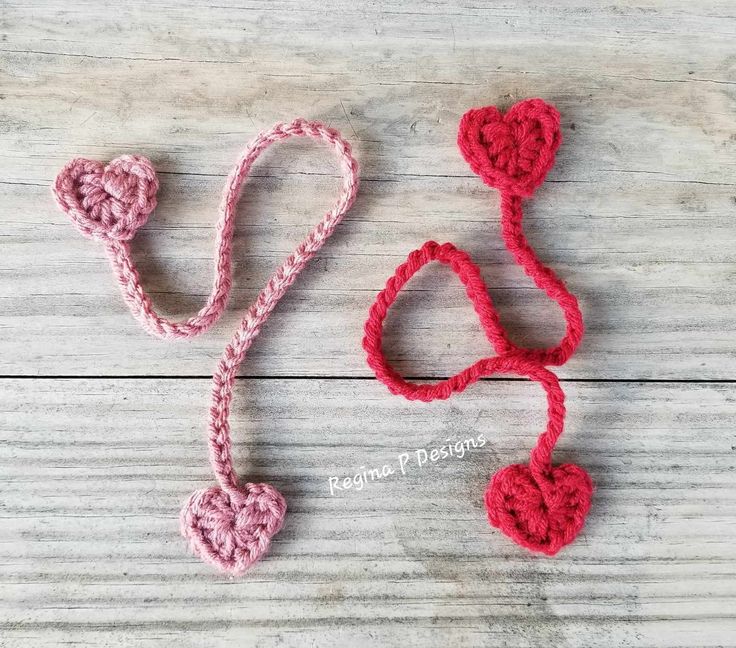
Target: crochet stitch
column 540, row 506
column 230, row 525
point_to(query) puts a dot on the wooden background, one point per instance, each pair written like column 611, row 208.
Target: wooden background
column 102, row 427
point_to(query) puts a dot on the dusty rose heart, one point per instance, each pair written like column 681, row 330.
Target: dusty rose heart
column 542, row 514
column 514, row 151
column 107, row 203
column 232, row 531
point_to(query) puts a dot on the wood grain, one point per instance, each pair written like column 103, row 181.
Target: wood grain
column 101, row 426
column 94, row 472
column 638, row 214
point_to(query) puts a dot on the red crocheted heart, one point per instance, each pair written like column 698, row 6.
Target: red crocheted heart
column 541, row 514
column 232, row 531
column 514, row 151
column 107, row 203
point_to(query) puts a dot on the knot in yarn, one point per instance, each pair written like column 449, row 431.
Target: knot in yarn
column 232, row 530
column 543, row 512
column 514, row 151
column 107, row 203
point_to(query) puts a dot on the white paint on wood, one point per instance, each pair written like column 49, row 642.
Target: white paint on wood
column 637, row 215
column 93, row 473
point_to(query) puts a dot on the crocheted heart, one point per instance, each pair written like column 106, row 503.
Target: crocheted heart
column 512, row 152
column 232, row 531
column 541, row 514
column 107, row 203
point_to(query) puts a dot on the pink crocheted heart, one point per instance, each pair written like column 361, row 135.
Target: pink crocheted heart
column 541, row 514
column 232, row 531
column 514, row 151
column 107, row 203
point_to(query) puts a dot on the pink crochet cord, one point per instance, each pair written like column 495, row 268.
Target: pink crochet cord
column 229, row 526
column 109, row 203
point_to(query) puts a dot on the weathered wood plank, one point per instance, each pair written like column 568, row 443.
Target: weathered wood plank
column 93, row 472
column 63, row 314
column 638, row 214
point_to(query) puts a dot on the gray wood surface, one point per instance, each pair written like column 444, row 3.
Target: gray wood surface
column 94, row 472
column 101, row 426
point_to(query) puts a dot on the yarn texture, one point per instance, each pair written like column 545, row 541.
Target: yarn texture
column 108, row 203
column 230, row 525
column 540, row 506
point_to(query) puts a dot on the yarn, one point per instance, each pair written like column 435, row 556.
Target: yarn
column 107, row 203
column 540, row 506
column 514, row 151
column 231, row 525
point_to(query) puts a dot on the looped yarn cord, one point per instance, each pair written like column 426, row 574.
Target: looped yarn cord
column 230, row 525
column 109, row 203
column 540, row 506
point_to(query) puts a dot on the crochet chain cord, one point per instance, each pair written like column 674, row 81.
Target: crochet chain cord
column 545, row 279
column 140, row 303
column 511, row 359
column 230, row 526
column 276, row 286
column 540, row 506
column 477, row 292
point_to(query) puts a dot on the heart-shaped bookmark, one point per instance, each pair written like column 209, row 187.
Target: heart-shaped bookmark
column 230, row 525
column 540, row 506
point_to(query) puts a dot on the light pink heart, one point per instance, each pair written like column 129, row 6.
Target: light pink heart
column 233, row 530
column 107, row 203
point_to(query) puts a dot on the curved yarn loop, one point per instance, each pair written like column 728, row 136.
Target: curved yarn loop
column 230, row 525
column 545, row 279
column 109, row 204
column 540, row 506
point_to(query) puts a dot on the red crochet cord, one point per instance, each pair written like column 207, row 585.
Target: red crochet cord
column 477, row 291
column 539, row 506
column 545, row 279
